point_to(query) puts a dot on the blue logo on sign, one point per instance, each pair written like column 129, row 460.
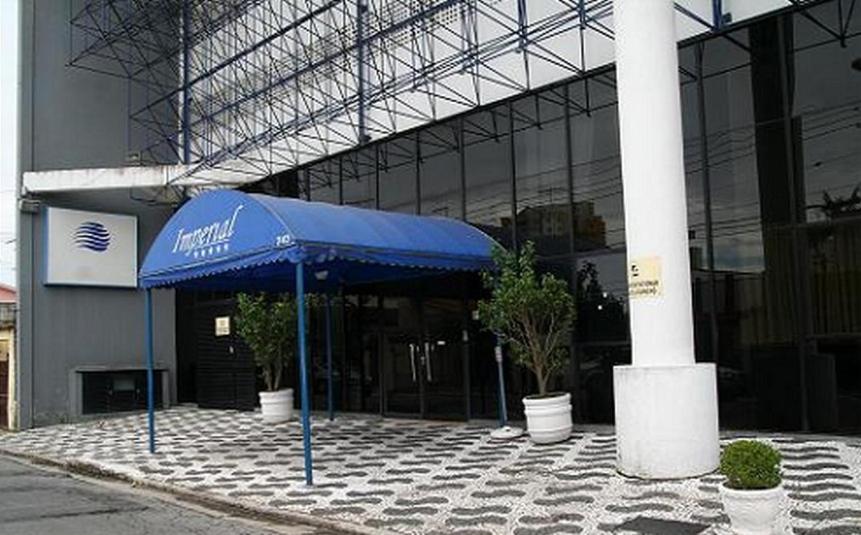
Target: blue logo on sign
column 93, row 236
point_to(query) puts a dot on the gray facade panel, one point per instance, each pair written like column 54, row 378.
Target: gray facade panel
column 72, row 118
column 78, row 327
column 80, row 118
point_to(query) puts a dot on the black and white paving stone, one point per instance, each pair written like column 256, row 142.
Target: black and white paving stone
column 405, row 476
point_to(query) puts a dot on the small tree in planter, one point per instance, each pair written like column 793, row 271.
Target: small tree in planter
column 534, row 314
column 752, row 491
column 269, row 329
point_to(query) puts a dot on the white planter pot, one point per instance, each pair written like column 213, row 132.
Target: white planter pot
column 548, row 419
column 751, row 512
column 277, row 407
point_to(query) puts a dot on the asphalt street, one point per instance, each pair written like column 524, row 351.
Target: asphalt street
column 41, row 501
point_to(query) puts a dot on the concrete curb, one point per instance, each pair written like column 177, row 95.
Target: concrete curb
column 222, row 504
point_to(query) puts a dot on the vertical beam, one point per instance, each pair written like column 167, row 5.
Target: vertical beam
column 418, row 172
column 573, row 355
column 303, row 371
column 699, row 50
column 330, row 400
column 804, row 318
column 461, row 143
column 717, row 14
column 512, row 161
column 150, row 372
column 186, row 88
column 361, row 16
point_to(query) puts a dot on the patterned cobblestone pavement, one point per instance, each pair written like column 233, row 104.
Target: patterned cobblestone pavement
column 410, row 476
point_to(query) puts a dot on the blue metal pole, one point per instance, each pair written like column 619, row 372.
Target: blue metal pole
column 503, row 409
column 330, row 395
column 303, row 372
column 150, row 372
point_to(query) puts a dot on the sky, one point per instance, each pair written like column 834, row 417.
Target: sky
column 8, row 127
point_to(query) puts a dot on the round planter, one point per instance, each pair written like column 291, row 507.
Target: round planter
column 277, row 407
column 548, row 419
column 751, row 512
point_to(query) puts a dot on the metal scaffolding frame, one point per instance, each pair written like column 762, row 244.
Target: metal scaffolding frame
column 243, row 89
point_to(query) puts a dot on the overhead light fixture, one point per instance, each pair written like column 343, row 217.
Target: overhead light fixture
column 321, row 275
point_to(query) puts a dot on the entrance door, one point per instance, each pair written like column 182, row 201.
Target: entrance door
column 423, row 359
column 402, row 357
column 445, row 361
column 226, row 375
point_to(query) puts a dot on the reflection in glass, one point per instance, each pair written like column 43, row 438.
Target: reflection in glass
column 488, row 172
column 543, row 205
column 440, row 181
column 398, row 176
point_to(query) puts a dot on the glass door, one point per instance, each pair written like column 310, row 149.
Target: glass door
column 444, row 359
column 424, row 358
column 402, row 357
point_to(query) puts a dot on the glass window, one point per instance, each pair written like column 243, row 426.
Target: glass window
column 440, row 171
column 541, row 178
column 599, row 226
column 759, row 376
column 359, row 179
column 826, row 119
column 324, row 182
column 488, row 172
column 398, row 175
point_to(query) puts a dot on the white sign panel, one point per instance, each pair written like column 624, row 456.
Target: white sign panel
column 222, row 326
column 90, row 248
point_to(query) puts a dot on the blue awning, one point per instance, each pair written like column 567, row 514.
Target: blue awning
column 231, row 240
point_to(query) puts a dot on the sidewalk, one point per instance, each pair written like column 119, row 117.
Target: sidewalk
column 406, row 476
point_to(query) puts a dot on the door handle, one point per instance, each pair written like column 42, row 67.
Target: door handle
column 428, row 362
column 413, row 361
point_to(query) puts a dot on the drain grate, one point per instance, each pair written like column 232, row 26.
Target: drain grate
column 660, row 526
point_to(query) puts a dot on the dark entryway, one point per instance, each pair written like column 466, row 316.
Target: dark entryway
column 5, row 356
column 4, row 393
column 215, row 368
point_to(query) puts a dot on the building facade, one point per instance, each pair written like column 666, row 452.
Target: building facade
column 772, row 153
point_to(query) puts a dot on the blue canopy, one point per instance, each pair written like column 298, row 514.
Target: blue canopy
column 231, row 240
column 227, row 239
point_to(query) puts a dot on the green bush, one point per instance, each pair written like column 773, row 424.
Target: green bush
column 534, row 313
column 750, row 465
column 269, row 328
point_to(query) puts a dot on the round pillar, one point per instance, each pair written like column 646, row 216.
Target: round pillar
column 665, row 403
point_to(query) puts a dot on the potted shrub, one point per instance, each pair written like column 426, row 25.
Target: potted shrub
column 269, row 329
column 752, row 491
column 533, row 314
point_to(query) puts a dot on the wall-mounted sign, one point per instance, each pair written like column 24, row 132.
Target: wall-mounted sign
column 90, row 248
column 644, row 278
column 222, row 326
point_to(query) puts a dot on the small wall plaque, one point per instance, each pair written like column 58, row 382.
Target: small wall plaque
column 222, row 326
column 644, row 278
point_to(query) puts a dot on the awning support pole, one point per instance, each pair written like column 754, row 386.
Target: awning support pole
column 303, row 372
column 503, row 409
column 150, row 372
column 330, row 395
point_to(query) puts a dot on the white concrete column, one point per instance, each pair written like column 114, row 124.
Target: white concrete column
column 666, row 405
column 653, row 174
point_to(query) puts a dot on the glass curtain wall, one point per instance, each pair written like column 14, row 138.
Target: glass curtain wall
column 772, row 154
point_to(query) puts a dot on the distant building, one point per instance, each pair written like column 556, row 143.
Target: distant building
column 8, row 307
